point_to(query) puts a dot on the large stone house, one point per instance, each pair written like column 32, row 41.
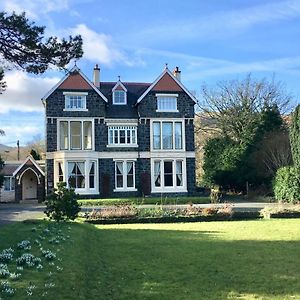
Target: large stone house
column 120, row 138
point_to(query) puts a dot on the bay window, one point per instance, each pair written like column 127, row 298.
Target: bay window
column 167, row 135
column 75, row 135
column 124, row 175
column 168, row 175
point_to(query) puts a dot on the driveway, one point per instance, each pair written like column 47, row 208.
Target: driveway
column 12, row 212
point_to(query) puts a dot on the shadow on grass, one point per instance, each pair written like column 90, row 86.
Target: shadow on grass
column 164, row 264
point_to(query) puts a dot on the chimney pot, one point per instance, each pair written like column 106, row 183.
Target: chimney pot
column 96, row 76
column 177, row 73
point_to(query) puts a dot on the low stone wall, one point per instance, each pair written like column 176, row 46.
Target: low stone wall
column 7, row 196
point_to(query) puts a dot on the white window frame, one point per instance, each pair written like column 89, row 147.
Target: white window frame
column 79, row 94
column 82, row 191
column 174, row 121
column 159, row 97
column 124, row 188
column 114, row 97
column 169, row 189
column 118, row 128
column 82, row 120
column 11, row 178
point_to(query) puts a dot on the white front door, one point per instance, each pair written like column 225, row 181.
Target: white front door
column 29, row 182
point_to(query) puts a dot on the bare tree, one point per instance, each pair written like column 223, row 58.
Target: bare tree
column 233, row 107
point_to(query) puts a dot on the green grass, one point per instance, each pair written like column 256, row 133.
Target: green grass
column 214, row 260
column 150, row 200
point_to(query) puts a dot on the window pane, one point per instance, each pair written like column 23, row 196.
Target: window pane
column 116, row 136
column 179, row 181
column 167, row 135
column 87, row 128
column 119, row 174
column 122, row 137
column 128, row 133
column 110, row 136
column 92, row 175
column 119, row 97
column 76, row 174
column 75, row 135
column 168, row 175
column 166, row 103
column 7, row 183
column 156, row 135
column 157, row 181
column 63, row 135
column 133, row 138
column 178, row 135
column 60, row 172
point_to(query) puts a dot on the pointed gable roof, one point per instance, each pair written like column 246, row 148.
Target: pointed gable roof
column 119, row 86
column 166, row 81
column 29, row 161
column 75, row 80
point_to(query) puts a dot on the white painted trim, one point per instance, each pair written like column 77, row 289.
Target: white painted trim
column 124, row 174
column 29, row 168
column 117, row 154
column 73, row 119
column 75, row 68
column 166, row 95
column 174, row 188
column 75, row 109
column 75, row 93
column 125, row 97
column 121, row 122
column 122, row 146
column 24, row 163
column 158, row 78
column 173, row 120
column 119, row 83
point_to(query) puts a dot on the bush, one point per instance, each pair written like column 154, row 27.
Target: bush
column 287, row 185
column 62, row 204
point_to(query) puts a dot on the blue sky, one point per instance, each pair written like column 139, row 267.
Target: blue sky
column 209, row 40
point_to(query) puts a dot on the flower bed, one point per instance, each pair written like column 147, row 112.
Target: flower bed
column 281, row 211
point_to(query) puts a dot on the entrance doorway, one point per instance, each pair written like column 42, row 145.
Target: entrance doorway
column 29, row 185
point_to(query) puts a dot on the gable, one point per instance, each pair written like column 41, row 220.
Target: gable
column 167, row 83
column 75, row 82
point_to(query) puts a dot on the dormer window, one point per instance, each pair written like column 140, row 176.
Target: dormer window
column 167, row 102
column 75, row 101
column 119, row 97
column 119, row 92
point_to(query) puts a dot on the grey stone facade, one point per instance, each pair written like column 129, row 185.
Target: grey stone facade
column 141, row 113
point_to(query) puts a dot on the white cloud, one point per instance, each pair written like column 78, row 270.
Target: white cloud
column 99, row 47
column 35, row 8
column 24, row 92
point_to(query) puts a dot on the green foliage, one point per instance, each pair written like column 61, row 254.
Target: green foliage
column 295, row 137
column 23, row 45
column 231, row 164
column 286, row 185
column 62, row 204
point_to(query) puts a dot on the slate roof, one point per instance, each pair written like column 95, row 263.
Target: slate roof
column 134, row 91
column 11, row 166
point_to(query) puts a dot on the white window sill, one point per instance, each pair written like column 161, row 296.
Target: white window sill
column 165, row 150
column 175, row 110
column 119, row 103
column 122, row 146
column 169, row 190
column 125, row 190
column 75, row 109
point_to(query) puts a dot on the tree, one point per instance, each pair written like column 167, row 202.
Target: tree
column 295, row 137
column 35, row 154
column 1, row 176
column 235, row 107
column 62, row 204
column 242, row 115
column 24, row 46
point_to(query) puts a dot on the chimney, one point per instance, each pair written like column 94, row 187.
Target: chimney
column 177, row 73
column 96, row 76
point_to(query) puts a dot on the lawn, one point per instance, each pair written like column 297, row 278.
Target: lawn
column 213, row 260
column 149, row 200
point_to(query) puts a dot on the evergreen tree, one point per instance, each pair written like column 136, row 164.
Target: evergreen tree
column 295, row 138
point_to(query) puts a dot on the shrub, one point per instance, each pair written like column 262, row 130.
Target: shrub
column 62, row 204
column 286, row 185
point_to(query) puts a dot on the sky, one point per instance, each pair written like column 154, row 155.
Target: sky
column 209, row 41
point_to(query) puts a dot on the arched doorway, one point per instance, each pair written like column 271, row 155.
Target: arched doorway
column 29, row 185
